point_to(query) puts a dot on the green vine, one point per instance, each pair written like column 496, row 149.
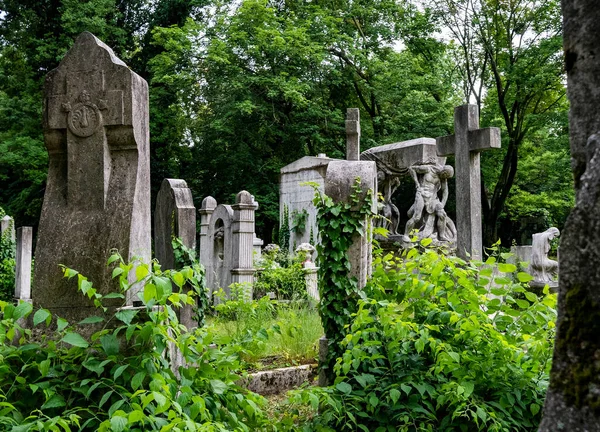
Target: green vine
column 338, row 224
column 299, row 219
column 284, row 229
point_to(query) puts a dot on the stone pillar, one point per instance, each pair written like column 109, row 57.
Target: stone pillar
column 243, row 239
column 312, row 280
column 339, row 183
column 174, row 216
column 7, row 227
column 23, row 263
column 573, row 398
column 209, row 204
column 97, row 196
column 353, row 134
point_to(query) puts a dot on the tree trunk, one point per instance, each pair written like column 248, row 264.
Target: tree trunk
column 573, row 399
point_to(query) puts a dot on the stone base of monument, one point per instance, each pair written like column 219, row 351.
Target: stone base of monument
column 280, row 380
column 538, row 286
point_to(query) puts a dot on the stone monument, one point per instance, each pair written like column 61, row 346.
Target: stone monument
column 174, row 216
column 227, row 242
column 466, row 144
column 98, row 189
column 543, row 269
column 427, row 214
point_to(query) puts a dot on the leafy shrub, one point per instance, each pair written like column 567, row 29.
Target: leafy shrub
column 7, row 264
column 123, row 377
column 281, row 274
column 438, row 344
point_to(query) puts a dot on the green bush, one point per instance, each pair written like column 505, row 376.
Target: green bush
column 438, row 344
column 7, row 264
column 281, row 274
column 123, row 377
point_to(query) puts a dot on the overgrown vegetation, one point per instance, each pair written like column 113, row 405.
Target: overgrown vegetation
column 438, row 344
column 7, row 264
column 280, row 273
column 123, row 377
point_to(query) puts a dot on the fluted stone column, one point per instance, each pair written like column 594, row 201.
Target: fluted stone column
column 23, row 263
column 243, row 238
column 209, row 204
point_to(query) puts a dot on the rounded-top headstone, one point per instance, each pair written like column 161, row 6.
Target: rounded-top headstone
column 208, row 203
column 244, row 197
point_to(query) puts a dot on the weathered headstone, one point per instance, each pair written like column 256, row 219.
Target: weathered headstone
column 98, row 188
column 23, row 263
column 466, row 144
column 226, row 242
column 174, row 216
column 7, row 227
column 339, row 183
column 352, row 134
column 573, row 398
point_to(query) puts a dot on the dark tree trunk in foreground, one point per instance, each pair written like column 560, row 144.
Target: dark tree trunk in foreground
column 573, row 401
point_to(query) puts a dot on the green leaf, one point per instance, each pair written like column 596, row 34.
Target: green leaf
column 105, row 397
column 141, row 272
column 126, row 315
column 110, row 344
column 118, row 423
column 119, row 371
column 530, row 296
column 178, row 279
column 113, row 258
column 507, row 268
column 55, row 401
column 23, row 309
column 481, row 414
column 218, row 386
column 469, row 386
column 344, row 387
column 161, row 399
column 91, row 320
column 534, row 408
column 405, row 388
column 394, row 395
column 117, row 271
column 44, row 367
column 75, row 339
column 40, row 316
column 137, row 380
column 524, row 277
column 61, row 324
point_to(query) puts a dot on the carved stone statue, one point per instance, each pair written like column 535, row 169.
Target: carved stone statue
column 427, row 214
column 390, row 214
column 543, row 269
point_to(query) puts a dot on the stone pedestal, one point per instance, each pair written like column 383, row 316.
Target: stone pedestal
column 7, row 227
column 242, row 270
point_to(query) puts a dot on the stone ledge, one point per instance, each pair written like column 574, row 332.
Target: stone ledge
column 279, row 380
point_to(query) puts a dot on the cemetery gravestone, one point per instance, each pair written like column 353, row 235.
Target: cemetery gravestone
column 466, row 144
column 174, row 216
column 98, row 189
column 353, row 134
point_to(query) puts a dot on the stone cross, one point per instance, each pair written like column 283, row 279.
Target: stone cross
column 98, row 189
column 23, row 263
column 174, row 216
column 466, row 144
column 353, row 134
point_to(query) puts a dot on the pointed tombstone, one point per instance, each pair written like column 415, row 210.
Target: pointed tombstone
column 573, row 399
column 174, row 216
column 98, row 189
column 23, row 263
column 353, row 134
column 466, row 144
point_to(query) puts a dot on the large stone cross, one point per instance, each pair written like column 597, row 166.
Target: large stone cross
column 466, row 144
column 84, row 110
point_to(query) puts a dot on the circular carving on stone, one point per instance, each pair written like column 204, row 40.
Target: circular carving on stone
column 84, row 119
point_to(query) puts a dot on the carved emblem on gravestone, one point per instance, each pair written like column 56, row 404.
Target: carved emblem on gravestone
column 84, row 117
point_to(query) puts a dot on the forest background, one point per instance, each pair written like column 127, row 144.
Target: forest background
column 240, row 89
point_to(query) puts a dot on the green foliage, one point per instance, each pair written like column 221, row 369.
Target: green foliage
column 7, row 264
column 282, row 275
column 122, row 377
column 299, row 219
column 338, row 223
column 284, row 229
column 439, row 345
column 186, row 258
